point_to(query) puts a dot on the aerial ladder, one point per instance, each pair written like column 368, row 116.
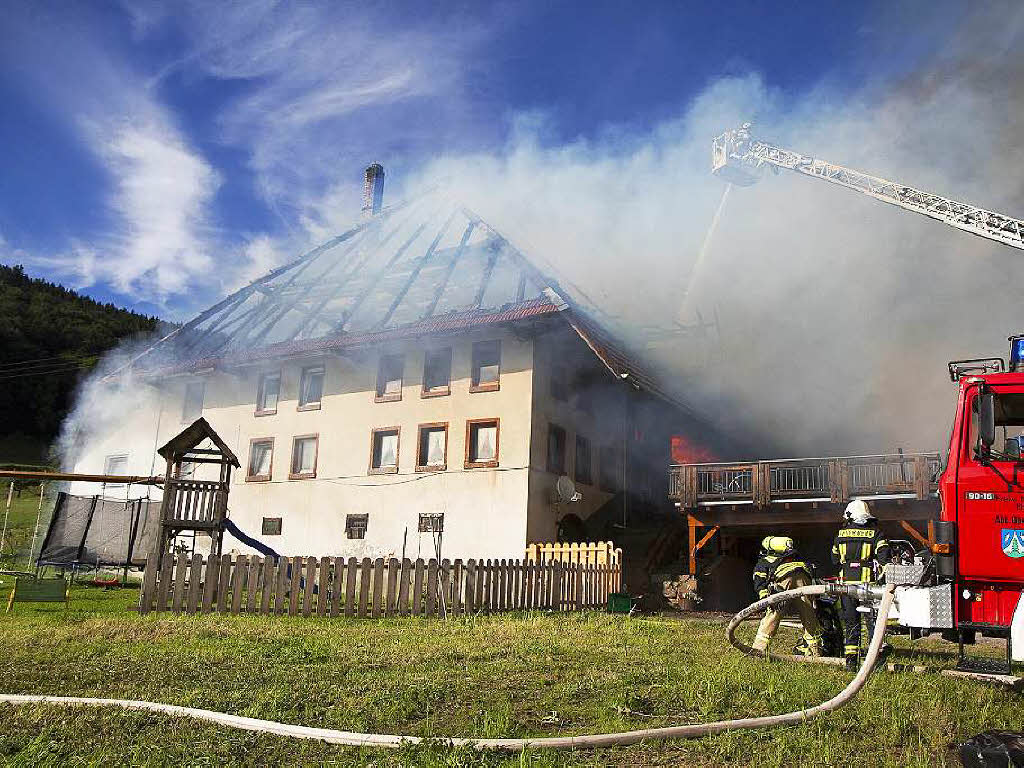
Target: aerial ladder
column 739, row 159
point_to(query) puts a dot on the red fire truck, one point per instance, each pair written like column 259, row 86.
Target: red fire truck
column 980, row 549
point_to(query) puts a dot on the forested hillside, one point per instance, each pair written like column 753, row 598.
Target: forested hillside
column 50, row 337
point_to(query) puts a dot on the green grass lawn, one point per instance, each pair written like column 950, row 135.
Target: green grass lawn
column 20, row 523
column 516, row 675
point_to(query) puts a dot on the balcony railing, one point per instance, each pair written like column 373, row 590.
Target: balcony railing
column 193, row 503
column 835, row 479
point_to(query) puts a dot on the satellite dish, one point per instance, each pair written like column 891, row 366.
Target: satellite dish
column 566, row 489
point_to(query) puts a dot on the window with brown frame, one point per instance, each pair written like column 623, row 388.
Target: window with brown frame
column 583, row 465
column 115, row 465
column 556, row 449
column 355, row 526
column 304, row 455
column 267, row 394
column 384, row 451
column 389, row 378
column 486, row 373
column 437, row 372
column 271, row 526
column 481, row 443
column 432, row 447
column 311, row 388
column 609, row 467
column 559, row 386
column 261, row 460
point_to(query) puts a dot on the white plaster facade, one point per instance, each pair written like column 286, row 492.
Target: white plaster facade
column 489, row 512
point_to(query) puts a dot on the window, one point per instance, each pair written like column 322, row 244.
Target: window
column 1009, row 423
column 188, row 470
column 355, row 526
column 556, row 449
column 559, row 389
column 115, row 465
column 192, row 408
column 304, row 453
column 271, row 526
column 486, row 366
column 610, row 465
column 389, row 378
column 261, row 459
column 311, row 387
column 481, row 443
column 384, row 451
column 437, row 372
column 431, row 522
column 267, row 394
column 583, row 466
column 432, row 447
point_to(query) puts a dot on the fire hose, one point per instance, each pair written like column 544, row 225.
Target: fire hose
column 348, row 738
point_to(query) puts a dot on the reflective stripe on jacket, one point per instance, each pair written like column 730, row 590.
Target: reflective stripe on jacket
column 856, row 549
column 771, row 569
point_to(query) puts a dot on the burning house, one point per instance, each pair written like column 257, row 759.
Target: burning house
column 414, row 385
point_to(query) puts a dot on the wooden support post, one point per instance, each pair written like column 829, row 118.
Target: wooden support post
column 693, row 524
column 917, row 536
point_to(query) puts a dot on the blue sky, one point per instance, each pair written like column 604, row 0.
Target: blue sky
column 158, row 155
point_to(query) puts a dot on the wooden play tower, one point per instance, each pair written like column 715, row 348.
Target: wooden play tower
column 194, row 505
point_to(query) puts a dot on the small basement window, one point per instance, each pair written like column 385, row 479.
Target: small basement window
column 486, row 366
column 311, row 387
column 556, row 449
column 583, row 463
column 267, row 394
column 481, row 443
column 432, row 447
column 431, row 522
column 384, row 451
column 389, row 378
column 355, row 526
column 115, row 465
column 192, row 408
column 437, row 372
column 261, row 459
column 304, row 455
column 271, row 526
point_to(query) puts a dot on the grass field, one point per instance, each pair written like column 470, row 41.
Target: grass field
column 20, row 524
column 512, row 675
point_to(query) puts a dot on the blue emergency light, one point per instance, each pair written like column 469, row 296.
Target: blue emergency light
column 1016, row 352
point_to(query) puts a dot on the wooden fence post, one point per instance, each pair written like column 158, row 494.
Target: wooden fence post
column 195, row 580
column 403, row 587
column 390, row 600
column 431, row 608
column 237, row 581
column 323, row 589
column 417, row 589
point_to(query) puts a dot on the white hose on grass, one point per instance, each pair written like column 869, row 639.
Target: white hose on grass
column 349, row 738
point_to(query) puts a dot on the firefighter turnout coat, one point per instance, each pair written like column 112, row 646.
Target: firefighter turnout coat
column 771, row 569
column 856, row 549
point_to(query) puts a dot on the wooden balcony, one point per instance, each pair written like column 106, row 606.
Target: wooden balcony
column 833, row 479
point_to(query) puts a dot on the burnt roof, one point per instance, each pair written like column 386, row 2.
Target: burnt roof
column 421, row 268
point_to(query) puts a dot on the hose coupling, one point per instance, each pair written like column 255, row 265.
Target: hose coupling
column 865, row 593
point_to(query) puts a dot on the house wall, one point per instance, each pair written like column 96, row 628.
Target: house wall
column 485, row 508
column 593, row 407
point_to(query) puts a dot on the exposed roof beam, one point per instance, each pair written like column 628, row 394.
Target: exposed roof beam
column 451, row 268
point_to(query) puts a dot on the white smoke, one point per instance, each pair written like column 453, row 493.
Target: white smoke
column 837, row 313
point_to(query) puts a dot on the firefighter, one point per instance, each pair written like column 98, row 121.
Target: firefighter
column 778, row 569
column 858, row 547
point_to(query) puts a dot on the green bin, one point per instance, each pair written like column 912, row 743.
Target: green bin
column 619, row 602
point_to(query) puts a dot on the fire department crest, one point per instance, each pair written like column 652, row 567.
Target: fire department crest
column 1012, row 541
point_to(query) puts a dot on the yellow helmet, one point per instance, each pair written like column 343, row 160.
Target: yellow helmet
column 777, row 545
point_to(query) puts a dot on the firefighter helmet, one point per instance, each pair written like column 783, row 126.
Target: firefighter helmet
column 858, row 512
column 777, row 545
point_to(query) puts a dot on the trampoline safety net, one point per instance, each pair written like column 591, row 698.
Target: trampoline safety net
column 91, row 530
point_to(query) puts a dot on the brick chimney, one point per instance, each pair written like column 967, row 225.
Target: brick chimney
column 373, row 190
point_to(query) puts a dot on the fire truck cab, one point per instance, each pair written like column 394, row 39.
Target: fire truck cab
column 980, row 549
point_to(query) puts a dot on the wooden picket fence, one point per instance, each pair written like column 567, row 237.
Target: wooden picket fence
column 575, row 553
column 334, row 586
